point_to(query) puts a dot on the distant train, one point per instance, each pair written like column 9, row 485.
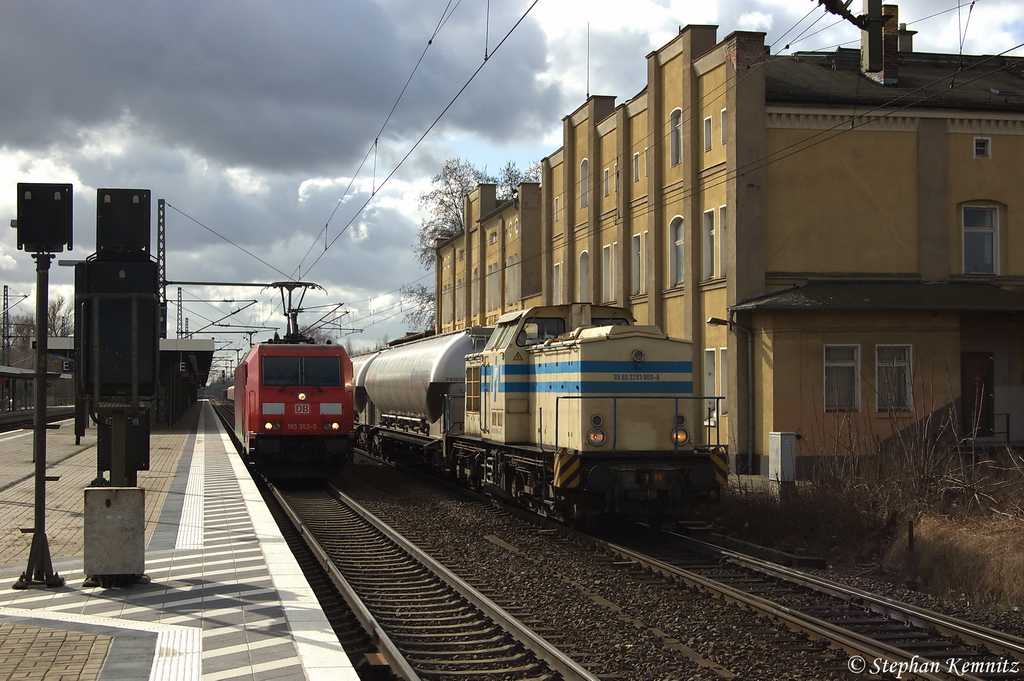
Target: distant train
column 570, row 410
column 293, row 409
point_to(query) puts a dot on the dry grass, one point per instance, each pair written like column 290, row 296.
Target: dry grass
column 977, row 561
column 966, row 507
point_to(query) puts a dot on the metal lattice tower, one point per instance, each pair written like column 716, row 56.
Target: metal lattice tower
column 179, row 313
column 161, row 264
column 6, row 361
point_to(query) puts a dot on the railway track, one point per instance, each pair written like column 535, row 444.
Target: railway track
column 878, row 634
column 426, row 622
column 439, row 624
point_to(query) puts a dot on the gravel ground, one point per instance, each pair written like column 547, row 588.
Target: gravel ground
column 617, row 621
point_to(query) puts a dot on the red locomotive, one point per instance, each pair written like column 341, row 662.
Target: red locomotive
column 293, row 403
column 293, row 409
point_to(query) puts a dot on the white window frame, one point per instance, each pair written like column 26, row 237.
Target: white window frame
column 636, row 167
column 854, row 365
column 708, row 230
column 992, row 230
column 637, row 260
column 722, row 217
column 982, row 147
column 557, row 211
column 607, row 181
column 907, row 366
column 721, row 124
column 708, row 134
column 710, row 411
column 723, row 380
column 677, row 251
column 584, row 183
column 583, row 272
column 513, row 284
column 556, row 284
column 608, row 270
column 675, row 137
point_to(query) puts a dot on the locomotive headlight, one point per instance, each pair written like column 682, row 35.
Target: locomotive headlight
column 271, row 426
column 680, row 420
column 638, row 355
column 302, row 397
column 595, row 437
column 332, row 426
column 680, row 437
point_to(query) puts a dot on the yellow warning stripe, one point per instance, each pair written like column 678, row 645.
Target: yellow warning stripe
column 567, row 469
column 720, row 462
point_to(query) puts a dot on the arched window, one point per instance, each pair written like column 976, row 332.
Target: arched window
column 677, row 267
column 584, row 183
column 675, row 137
column 584, row 275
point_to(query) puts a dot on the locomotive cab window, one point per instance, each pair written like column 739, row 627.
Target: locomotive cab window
column 609, row 321
column 281, row 371
column 540, row 329
column 305, row 371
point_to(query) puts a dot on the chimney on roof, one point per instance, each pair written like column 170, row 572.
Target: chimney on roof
column 880, row 42
column 906, row 39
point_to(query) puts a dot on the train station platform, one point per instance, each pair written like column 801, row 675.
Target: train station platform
column 226, row 600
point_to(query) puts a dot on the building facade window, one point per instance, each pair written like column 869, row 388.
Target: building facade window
column 636, row 261
column 981, row 239
column 460, row 299
column 722, row 215
column 677, row 252
column 608, row 272
column 675, row 137
column 982, row 147
column 615, row 172
column 894, row 387
column 556, row 208
column 647, row 160
column 584, row 277
column 708, row 132
column 710, row 390
column 723, row 380
column 493, row 287
column 556, row 284
column 636, row 167
column 842, row 378
column 475, row 288
column 584, row 183
column 721, row 125
column 607, row 181
column 513, row 294
column 709, row 245
column 447, row 310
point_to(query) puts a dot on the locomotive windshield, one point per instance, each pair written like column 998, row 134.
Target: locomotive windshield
column 305, row 371
column 540, row 329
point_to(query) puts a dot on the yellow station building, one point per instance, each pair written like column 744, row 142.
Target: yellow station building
column 840, row 245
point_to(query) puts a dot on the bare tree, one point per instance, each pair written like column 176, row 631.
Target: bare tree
column 421, row 318
column 510, row 177
column 60, row 319
column 444, row 204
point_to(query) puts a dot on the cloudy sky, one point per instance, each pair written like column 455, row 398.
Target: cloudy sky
column 256, row 121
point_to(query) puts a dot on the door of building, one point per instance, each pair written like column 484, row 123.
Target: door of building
column 978, row 408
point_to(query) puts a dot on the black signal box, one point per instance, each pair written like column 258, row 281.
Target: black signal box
column 116, row 328
column 136, row 444
column 44, row 217
column 122, row 223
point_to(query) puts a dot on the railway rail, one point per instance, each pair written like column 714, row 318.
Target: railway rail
column 878, row 633
column 438, row 623
column 425, row 621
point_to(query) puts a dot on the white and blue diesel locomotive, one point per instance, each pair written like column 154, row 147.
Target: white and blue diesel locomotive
column 570, row 410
